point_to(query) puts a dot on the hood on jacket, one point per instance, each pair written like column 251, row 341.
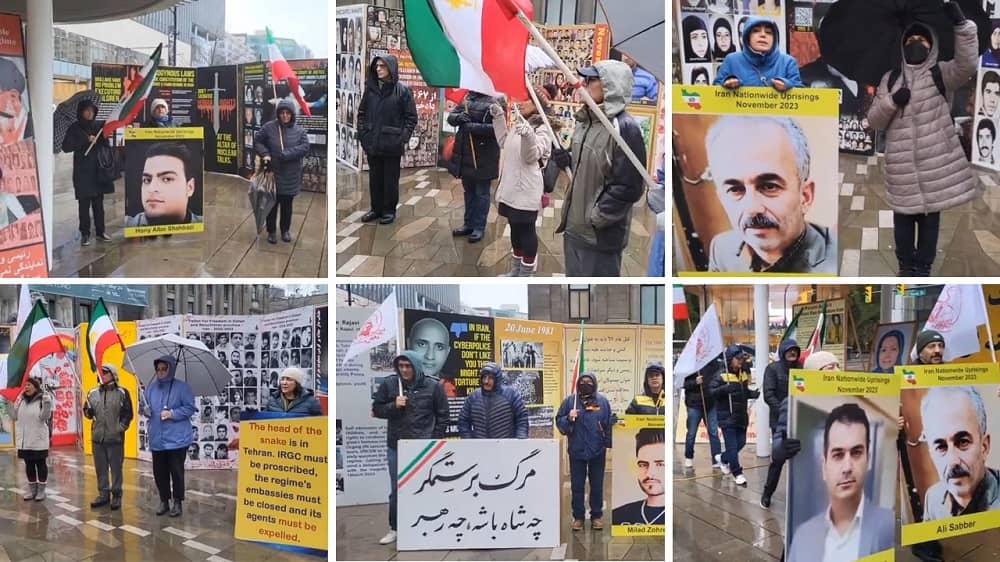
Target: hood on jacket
column 85, row 103
column 732, row 350
column 616, row 80
column 591, row 376
column 391, row 62
column 652, row 366
column 927, row 31
column 114, row 372
column 286, row 105
column 171, row 361
column 414, row 358
column 496, row 371
column 785, row 346
column 753, row 57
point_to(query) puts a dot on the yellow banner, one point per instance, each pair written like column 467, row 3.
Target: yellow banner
column 282, row 482
column 952, row 374
column 888, row 555
column 126, row 379
column 838, row 383
column 639, row 422
column 716, row 100
column 164, row 133
column 638, row 477
column 133, row 231
column 531, row 355
column 944, row 528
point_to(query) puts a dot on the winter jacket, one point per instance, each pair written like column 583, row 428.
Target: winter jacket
column 758, row 69
column 649, row 403
column 476, row 153
column 605, row 186
column 731, row 392
column 176, row 396
column 590, row 434
column 498, row 414
column 779, row 432
column 32, row 419
column 925, row 166
column 643, row 85
column 426, row 413
column 152, row 123
column 287, row 163
column 304, row 403
column 110, row 408
column 776, row 379
column 525, row 153
column 699, row 396
column 387, row 114
column 85, row 182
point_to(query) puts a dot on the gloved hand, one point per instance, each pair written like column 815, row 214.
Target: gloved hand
column 522, row 129
column 496, row 111
column 562, row 157
column 954, row 12
column 463, row 118
column 792, row 447
column 267, row 163
column 901, row 97
column 778, row 84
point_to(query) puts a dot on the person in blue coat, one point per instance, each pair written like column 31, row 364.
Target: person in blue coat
column 283, row 144
column 644, row 85
column 292, row 396
column 169, row 407
column 585, row 418
column 760, row 63
column 494, row 410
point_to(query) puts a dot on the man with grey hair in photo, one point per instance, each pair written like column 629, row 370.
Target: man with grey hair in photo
column 766, row 189
column 958, row 441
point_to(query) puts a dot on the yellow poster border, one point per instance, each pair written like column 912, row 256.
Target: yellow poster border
column 802, row 382
column 887, row 555
column 164, row 133
column 950, row 374
column 638, row 530
column 951, row 527
column 186, row 228
column 716, row 100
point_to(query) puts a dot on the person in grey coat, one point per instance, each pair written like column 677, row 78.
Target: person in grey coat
column 926, row 171
column 283, row 145
column 32, row 413
column 110, row 408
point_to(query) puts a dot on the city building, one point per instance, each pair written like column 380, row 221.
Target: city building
column 165, row 300
column 290, row 48
column 441, row 298
column 303, row 295
column 597, row 304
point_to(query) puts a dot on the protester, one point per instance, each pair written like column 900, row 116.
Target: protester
column 475, row 159
column 159, row 114
column 585, row 418
column 651, row 401
column 169, row 406
column 283, row 144
column 775, row 390
column 732, row 391
column 700, row 404
column 416, row 408
column 494, row 410
column 760, row 62
column 597, row 213
column 32, row 412
column 644, row 84
column 519, row 195
column 291, row 396
column 387, row 116
column 110, row 408
column 89, row 181
column 925, row 173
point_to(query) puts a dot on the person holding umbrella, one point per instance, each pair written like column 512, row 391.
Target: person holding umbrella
column 89, row 183
column 926, row 171
column 169, row 405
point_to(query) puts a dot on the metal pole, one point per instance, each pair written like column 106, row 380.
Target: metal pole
column 173, row 37
column 761, row 349
column 40, row 53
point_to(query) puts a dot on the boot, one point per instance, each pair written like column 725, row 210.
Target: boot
column 515, row 267
column 528, row 270
column 99, row 501
column 116, row 502
column 164, row 507
column 176, row 510
column 41, row 492
column 922, row 269
column 32, row 491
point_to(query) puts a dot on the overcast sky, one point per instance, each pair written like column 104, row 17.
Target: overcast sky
column 306, row 21
column 495, row 295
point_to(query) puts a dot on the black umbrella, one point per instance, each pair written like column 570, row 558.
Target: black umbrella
column 65, row 115
column 262, row 197
column 862, row 38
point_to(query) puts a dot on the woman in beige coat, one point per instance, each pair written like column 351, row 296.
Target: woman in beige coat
column 31, row 414
column 526, row 149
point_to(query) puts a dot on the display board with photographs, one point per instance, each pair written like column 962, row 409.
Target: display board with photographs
column 290, row 337
column 217, row 100
column 987, row 119
column 352, row 36
column 892, row 345
column 164, row 181
column 530, row 354
column 176, row 86
column 254, row 81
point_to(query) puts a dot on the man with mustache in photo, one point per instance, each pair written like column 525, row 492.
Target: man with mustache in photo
column 766, row 190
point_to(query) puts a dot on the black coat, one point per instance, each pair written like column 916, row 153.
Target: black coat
column 387, row 114
column 775, row 384
column 287, row 162
column 693, row 392
column 732, row 395
column 85, row 181
column 476, row 154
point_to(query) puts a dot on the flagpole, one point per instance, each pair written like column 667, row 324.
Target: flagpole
column 579, row 86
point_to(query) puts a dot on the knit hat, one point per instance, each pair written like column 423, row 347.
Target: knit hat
column 295, row 374
column 926, row 337
column 159, row 101
column 112, row 368
column 819, row 359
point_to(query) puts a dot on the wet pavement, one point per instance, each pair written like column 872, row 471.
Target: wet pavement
column 360, row 527
column 420, row 243
column 227, row 248
column 969, row 240
column 65, row 528
column 714, row 519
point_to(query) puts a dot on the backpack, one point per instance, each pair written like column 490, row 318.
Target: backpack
column 550, row 172
column 935, row 75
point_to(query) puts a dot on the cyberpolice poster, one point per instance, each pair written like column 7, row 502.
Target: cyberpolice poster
column 846, row 423
column 756, row 182
column 164, row 181
column 950, row 468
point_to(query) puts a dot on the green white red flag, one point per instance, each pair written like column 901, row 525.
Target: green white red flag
column 135, row 98
column 101, row 335
column 281, row 70
column 36, row 339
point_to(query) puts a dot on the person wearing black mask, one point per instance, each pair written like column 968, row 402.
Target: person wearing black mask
column 89, row 181
column 775, row 391
column 732, row 390
column 585, row 418
column 925, row 172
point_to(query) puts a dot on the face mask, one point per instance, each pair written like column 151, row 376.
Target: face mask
column 790, row 362
column 586, row 387
column 915, row 53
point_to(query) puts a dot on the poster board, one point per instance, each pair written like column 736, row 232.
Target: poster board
column 176, row 86
column 478, row 493
column 846, row 422
column 254, row 77
column 711, row 125
column 613, row 353
column 151, row 328
column 986, row 119
column 217, row 101
column 164, row 181
column 126, row 379
column 941, row 404
column 638, row 477
column 891, row 346
column 320, row 357
column 352, row 37
column 531, row 356
column 835, row 329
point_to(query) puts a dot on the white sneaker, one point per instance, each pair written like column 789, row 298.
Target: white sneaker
column 718, row 461
column 740, row 480
column 688, row 463
column 389, row 538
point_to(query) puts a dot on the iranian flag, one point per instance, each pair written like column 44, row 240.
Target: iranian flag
column 36, row 339
column 280, row 70
column 479, row 45
column 680, row 304
column 135, row 98
column 816, row 339
column 101, row 335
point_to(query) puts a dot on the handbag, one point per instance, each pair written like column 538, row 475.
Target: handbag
column 107, row 167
